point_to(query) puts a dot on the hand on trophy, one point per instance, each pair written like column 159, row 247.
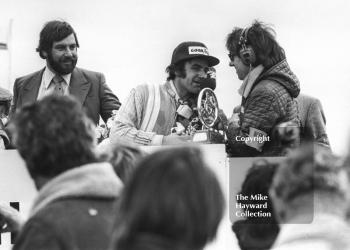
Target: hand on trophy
column 176, row 139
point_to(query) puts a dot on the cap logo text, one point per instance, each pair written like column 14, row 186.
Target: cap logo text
column 198, row 50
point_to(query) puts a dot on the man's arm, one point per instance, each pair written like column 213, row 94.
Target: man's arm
column 129, row 118
column 260, row 114
column 4, row 138
column 13, row 106
column 315, row 125
column 108, row 100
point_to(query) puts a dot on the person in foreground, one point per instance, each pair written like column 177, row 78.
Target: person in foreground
column 173, row 201
column 77, row 194
column 258, row 233
column 310, row 197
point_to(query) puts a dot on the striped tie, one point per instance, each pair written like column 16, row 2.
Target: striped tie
column 58, row 82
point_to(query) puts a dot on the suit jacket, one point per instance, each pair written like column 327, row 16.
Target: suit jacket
column 88, row 87
column 313, row 120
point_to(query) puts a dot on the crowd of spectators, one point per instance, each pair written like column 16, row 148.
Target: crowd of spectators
column 118, row 197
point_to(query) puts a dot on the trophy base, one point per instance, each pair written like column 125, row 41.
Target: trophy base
column 208, row 137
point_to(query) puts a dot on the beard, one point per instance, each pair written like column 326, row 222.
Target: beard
column 64, row 65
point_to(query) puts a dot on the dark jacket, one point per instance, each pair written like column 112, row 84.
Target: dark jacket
column 88, row 87
column 269, row 103
column 313, row 120
column 74, row 211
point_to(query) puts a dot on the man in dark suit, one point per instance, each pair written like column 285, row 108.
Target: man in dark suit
column 58, row 46
column 313, row 120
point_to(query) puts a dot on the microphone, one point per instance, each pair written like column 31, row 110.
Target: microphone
column 209, row 81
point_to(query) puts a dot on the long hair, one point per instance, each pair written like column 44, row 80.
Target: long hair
column 261, row 38
column 173, row 196
column 177, row 69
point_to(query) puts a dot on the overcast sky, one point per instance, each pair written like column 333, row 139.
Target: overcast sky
column 131, row 42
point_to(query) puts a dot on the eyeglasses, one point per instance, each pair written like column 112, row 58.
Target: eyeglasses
column 231, row 56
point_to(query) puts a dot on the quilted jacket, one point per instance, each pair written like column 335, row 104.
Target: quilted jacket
column 269, row 103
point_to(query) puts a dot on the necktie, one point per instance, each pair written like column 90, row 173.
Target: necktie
column 58, row 82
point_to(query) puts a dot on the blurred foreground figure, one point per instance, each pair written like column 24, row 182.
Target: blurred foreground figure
column 310, row 197
column 77, row 194
column 258, row 233
column 123, row 156
column 268, row 90
column 173, row 201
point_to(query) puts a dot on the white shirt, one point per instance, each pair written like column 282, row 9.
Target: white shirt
column 47, row 88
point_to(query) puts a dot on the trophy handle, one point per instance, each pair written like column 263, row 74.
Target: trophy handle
column 207, row 107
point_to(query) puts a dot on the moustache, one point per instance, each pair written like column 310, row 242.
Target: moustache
column 69, row 59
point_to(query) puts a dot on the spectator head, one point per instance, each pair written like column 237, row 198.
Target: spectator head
column 172, row 201
column 123, row 157
column 5, row 102
column 53, row 135
column 257, row 232
column 311, row 180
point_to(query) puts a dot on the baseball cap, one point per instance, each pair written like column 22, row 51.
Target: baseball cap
column 189, row 50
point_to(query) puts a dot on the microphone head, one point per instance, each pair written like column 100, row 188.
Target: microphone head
column 209, row 81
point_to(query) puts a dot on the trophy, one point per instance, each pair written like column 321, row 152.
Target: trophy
column 208, row 114
column 201, row 120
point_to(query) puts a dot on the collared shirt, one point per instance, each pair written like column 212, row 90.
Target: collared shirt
column 47, row 88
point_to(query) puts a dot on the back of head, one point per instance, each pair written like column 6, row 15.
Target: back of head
column 173, row 198
column 5, row 100
column 261, row 38
column 257, row 232
column 311, row 179
column 53, row 135
column 123, row 157
column 54, row 31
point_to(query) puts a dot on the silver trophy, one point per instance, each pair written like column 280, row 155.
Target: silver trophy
column 208, row 114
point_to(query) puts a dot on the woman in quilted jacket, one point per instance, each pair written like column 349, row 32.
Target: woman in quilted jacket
column 266, row 122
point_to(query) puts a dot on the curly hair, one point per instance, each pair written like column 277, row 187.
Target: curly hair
column 177, row 69
column 309, row 169
column 261, row 38
column 53, row 135
column 311, row 179
column 54, row 31
column 173, row 196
